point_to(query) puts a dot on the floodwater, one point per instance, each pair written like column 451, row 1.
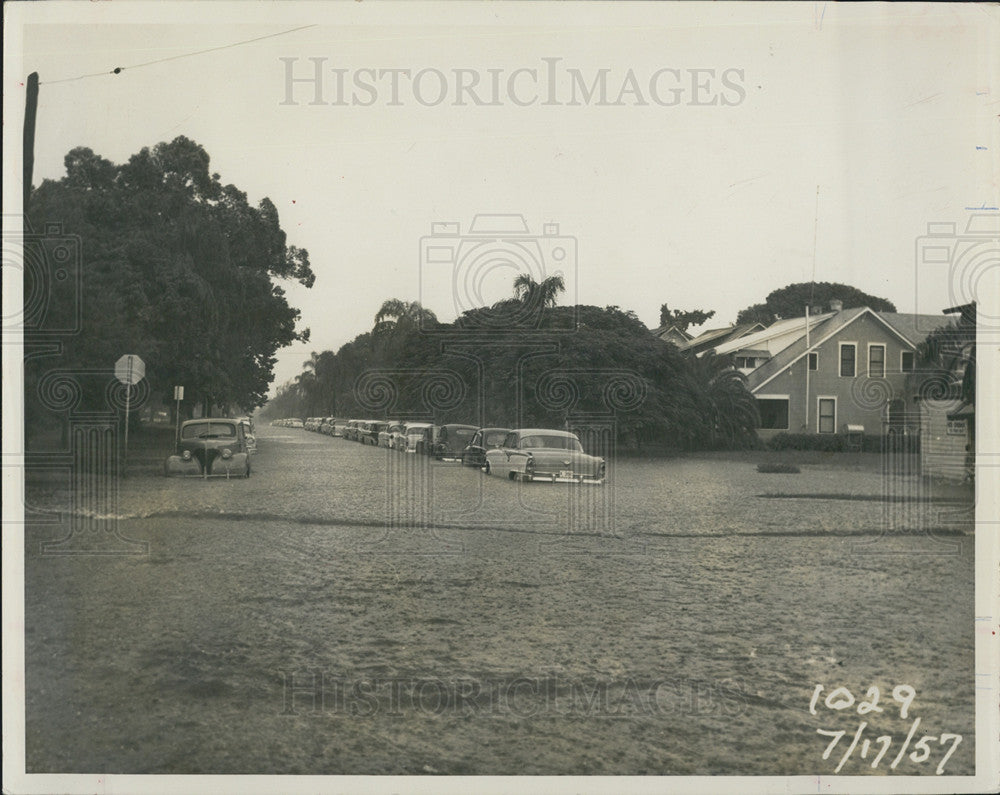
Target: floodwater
column 352, row 610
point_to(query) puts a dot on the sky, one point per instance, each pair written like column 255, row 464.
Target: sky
column 736, row 150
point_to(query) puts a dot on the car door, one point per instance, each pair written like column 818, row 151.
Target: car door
column 474, row 453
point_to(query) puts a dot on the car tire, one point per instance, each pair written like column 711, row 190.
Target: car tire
column 246, row 473
column 488, row 469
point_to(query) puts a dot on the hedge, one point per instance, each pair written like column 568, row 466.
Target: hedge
column 841, row 443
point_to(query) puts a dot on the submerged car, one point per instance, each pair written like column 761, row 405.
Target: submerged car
column 452, row 439
column 370, row 432
column 418, row 438
column 212, row 447
column 388, row 435
column 248, row 434
column 474, row 454
column 542, row 454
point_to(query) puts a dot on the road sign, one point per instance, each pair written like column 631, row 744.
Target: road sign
column 178, row 397
column 130, row 369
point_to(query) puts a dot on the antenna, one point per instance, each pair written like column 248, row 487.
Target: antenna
column 812, row 284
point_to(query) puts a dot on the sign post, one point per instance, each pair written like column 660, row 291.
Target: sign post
column 130, row 370
column 178, row 397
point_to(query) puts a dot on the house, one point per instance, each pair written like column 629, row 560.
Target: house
column 671, row 333
column 947, row 416
column 718, row 336
column 843, row 371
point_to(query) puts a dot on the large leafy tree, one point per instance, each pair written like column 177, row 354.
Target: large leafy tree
column 610, row 362
column 791, row 301
column 176, row 267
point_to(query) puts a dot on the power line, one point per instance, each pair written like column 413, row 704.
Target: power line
column 120, row 69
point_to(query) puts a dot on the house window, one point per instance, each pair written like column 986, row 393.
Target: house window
column 813, row 361
column 847, row 356
column 773, row 413
column 906, row 362
column 876, row 361
column 827, row 415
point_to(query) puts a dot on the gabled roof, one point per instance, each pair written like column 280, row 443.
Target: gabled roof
column 915, row 327
column 908, row 327
column 662, row 330
column 776, row 329
column 720, row 335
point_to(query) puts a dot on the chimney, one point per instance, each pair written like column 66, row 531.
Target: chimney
column 836, row 305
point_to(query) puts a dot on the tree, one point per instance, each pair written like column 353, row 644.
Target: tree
column 538, row 294
column 610, row 363
column 791, row 301
column 178, row 268
column 729, row 411
column 948, row 355
column 683, row 320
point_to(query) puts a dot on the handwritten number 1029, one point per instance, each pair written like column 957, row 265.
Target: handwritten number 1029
column 842, row 698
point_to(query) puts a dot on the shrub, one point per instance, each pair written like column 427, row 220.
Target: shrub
column 839, row 443
column 790, row 469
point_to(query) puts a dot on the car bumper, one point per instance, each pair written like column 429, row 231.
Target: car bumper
column 234, row 467
column 557, row 477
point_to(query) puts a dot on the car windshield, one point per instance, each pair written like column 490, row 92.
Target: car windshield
column 208, row 430
column 494, row 439
column 554, row 442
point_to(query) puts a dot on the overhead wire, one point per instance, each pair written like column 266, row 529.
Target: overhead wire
column 119, row 69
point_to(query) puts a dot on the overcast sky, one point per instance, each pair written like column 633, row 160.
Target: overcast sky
column 703, row 206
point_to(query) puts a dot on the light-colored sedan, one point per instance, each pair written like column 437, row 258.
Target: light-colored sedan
column 388, row 435
column 542, row 454
column 419, row 438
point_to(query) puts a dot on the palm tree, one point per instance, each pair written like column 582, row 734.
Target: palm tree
column 729, row 410
column 396, row 316
column 538, row 294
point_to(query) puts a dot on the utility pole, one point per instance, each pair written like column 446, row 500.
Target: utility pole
column 28, row 154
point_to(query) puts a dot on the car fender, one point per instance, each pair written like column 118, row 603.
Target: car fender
column 175, row 466
column 235, row 466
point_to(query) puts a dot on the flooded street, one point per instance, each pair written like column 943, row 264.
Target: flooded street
column 352, row 610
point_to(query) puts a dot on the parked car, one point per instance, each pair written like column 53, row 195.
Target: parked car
column 542, row 454
column 371, row 431
column 452, row 439
column 351, row 430
column 248, row 433
column 338, row 427
column 474, row 454
column 212, row 447
column 387, row 436
column 419, row 438
column 295, row 423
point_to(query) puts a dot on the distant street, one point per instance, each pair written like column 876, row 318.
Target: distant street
column 352, row 610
